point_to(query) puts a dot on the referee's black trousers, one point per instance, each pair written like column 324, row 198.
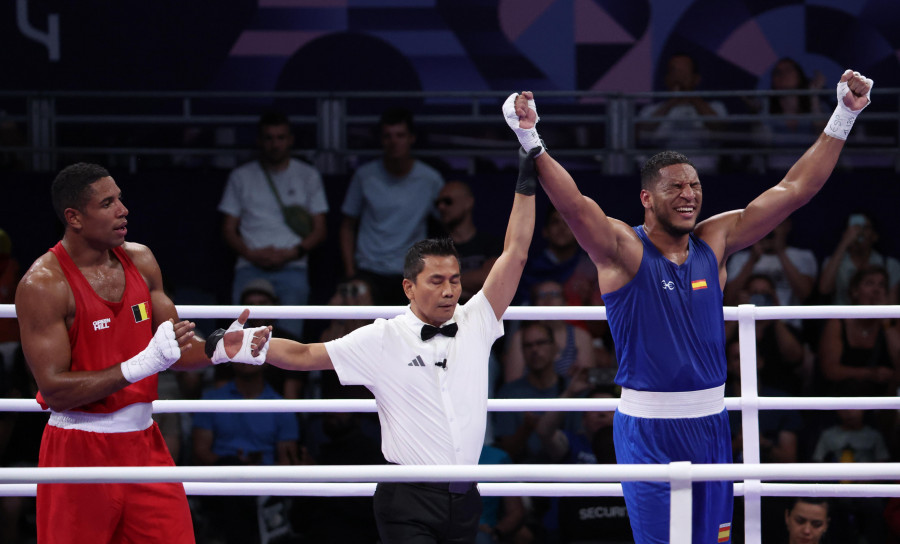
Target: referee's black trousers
column 427, row 513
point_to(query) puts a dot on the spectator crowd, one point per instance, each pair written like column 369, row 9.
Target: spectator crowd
column 274, row 220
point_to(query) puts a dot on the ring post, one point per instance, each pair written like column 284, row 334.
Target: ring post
column 680, row 503
column 750, row 419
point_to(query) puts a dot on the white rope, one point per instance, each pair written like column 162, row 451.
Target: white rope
column 817, row 312
column 509, row 405
column 190, row 311
column 363, row 489
column 533, row 489
column 447, row 473
column 828, row 403
column 494, row 405
column 831, row 490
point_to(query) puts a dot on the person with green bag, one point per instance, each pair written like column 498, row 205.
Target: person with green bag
column 274, row 216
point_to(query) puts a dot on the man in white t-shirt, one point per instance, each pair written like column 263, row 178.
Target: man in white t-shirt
column 682, row 122
column 386, row 209
column 255, row 226
column 428, row 371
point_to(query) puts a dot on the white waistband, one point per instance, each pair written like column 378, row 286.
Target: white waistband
column 678, row 404
column 134, row 417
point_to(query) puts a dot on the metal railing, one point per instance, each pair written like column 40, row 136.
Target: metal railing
column 142, row 130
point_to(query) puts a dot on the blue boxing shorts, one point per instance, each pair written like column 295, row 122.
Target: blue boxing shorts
column 660, row 440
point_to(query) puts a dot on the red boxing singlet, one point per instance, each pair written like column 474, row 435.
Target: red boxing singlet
column 105, row 333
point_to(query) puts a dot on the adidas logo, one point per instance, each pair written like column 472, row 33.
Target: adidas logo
column 417, row 361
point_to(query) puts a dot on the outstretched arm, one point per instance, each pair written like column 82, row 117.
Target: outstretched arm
column 193, row 355
column 257, row 347
column 599, row 235
column 291, row 355
column 595, row 232
column 280, row 352
column 733, row 231
column 503, row 279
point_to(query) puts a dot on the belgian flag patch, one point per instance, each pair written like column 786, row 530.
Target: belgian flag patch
column 141, row 312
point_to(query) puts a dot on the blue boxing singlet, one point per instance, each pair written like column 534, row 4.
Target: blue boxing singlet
column 667, row 322
column 669, row 332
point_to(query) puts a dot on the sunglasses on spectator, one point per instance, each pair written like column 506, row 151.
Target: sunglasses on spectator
column 444, row 200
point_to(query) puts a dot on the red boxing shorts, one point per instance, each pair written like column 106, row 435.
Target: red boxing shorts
column 93, row 513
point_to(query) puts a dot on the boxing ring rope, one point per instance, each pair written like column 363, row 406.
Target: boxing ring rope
column 494, row 405
column 508, row 480
column 534, row 489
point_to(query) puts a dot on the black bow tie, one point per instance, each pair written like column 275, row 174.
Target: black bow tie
column 430, row 331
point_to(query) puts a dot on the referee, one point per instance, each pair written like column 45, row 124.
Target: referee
column 428, row 370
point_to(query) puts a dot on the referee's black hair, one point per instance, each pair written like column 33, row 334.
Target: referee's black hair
column 415, row 257
column 650, row 169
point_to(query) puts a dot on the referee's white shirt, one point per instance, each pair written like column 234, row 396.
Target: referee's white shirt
column 428, row 415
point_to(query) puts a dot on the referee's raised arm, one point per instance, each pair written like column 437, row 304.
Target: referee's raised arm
column 503, row 280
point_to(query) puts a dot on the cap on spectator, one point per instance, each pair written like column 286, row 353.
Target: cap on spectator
column 259, row 285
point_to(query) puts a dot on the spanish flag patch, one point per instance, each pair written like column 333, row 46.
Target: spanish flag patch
column 140, row 312
column 724, row 532
column 698, row 284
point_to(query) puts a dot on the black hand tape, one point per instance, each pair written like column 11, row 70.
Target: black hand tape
column 212, row 340
column 528, row 178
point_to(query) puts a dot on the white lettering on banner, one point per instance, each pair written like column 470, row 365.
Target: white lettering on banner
column 602, row 512
column 101, row 324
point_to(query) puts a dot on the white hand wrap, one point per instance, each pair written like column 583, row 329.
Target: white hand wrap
column 160, row 354
column 215, row 348
column 843, row 117
column 244, row 355
column 528, row 138
column 236, row 325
